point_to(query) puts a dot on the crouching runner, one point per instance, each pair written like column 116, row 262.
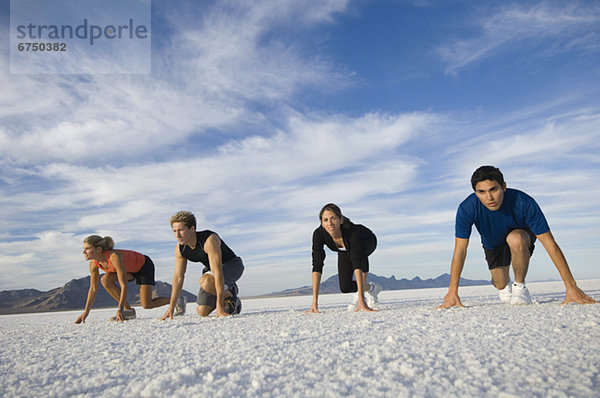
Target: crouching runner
column 122, row 266
column 222, row 268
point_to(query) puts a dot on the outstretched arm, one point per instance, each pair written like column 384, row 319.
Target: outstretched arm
column 212, row 247
column 573, row 293
column 92, row 292
column 177, row 284
column 122, row 277
column 458, row 262
column 316, row 285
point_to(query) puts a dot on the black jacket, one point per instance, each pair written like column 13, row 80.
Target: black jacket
column 359, row 241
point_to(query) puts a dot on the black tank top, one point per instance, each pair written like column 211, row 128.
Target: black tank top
column 198, row 255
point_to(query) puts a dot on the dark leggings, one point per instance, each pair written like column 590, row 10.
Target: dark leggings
column 346, row 269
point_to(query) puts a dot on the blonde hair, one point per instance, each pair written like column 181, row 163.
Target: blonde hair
column 106, row 243
column 186, row 217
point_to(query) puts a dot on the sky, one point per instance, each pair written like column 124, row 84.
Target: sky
column 256, row 114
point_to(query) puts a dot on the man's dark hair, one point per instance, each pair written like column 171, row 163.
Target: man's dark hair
column 487, row 173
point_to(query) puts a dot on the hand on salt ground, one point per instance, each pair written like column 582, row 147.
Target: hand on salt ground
column 576, row 295
column 451, row 300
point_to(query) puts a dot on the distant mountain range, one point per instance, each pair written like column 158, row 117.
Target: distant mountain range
column 331, row 285
column 73, row 295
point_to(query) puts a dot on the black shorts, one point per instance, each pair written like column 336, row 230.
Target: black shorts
column 232, row 271
column 500, row 256
column 145, row 276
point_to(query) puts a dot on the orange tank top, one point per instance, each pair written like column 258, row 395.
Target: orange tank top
column 132, row 261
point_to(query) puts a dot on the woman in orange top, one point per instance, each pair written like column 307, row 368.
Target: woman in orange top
column 122, row 266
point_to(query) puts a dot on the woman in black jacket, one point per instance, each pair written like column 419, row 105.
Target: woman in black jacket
column 354, row 243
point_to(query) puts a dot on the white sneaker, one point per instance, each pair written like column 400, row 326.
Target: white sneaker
column 352, row 307
column 180, row 306
column 506, row 293
column 520, row 294
column 371, row 296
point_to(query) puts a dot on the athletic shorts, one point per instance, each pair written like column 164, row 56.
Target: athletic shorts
column 145, row 276
column 232, row 271
column 500, row 256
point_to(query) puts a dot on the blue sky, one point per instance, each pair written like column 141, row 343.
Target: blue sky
column 258, row 113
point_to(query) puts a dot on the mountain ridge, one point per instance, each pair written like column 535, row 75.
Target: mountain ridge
column 331, row 285
column 73, row 295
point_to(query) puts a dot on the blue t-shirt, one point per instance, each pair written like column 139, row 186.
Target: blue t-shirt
column 518, row 211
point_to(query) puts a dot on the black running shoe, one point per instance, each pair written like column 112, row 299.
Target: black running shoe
column 233, row 305
column 234, row 290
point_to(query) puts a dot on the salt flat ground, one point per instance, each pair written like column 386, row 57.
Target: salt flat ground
column 273, row 348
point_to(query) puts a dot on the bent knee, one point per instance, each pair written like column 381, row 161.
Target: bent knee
column 500, row 277
column 106, row 279
column 207, row 283
column 204, row 310
column 499, row 283
column 347, row 289
column 518, row 239
column 146, row 304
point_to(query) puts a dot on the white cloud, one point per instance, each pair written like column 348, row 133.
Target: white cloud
column 237, row 49
column 262, row 193
column 215, row 68
column 364, row 147
column 518, row 26
column 217, row 130
column 290, row 172
column 50, row 256
column 557, row 138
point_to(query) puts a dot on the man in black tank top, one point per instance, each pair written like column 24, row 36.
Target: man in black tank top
column 222, row 268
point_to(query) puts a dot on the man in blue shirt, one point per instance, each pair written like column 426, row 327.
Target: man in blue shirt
column 509, row 222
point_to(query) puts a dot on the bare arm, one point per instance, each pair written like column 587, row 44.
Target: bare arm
column 316, row 285
column 92, row 292
column 458, row 262
column 115, row 259
column 573, row 293
column 177, row 285
column 212, row 247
